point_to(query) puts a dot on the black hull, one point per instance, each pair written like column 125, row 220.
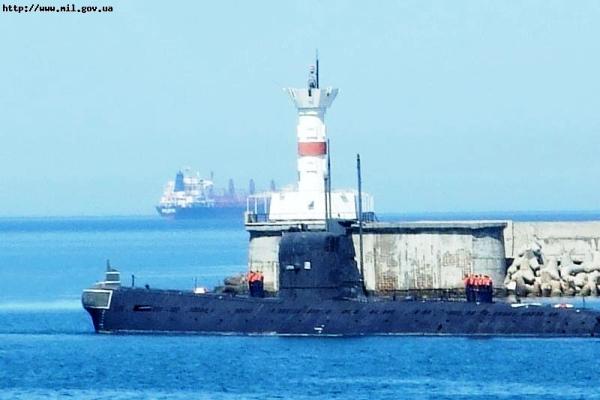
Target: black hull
column 158, row 311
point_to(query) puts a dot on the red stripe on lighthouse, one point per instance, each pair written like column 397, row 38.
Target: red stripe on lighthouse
column 312, row 148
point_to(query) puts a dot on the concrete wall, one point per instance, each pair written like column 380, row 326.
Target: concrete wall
column 578, row 237
column 263, row 255
column 432, row 255
column 400, row 256
column 410, row 256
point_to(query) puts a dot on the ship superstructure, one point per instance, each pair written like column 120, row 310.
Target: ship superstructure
column 189, row 195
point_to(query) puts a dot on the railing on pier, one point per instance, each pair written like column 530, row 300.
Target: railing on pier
column 258, row 209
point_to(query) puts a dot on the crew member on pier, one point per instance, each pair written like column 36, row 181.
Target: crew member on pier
column 256, row 284
column 479, row 288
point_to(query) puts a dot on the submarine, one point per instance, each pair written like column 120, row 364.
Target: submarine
column 321, row 292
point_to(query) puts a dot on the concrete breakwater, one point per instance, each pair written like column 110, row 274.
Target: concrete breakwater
column 436, row 255
column 554, row 259
column 534, row 273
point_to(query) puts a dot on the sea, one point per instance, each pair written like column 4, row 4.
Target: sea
column 48, row 349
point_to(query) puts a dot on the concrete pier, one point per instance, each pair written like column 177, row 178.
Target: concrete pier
column 434, row 255
column 578, row 237
column 402, row 256
column 425, row 255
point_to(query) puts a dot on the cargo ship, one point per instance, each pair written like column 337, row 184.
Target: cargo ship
column 189, row 196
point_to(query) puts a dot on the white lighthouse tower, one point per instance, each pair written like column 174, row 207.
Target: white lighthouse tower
column 312, row 103
column 308, row 201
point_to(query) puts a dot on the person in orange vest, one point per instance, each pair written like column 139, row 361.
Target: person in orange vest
column 489, row 289
column 469, row 287
column 260, row 280
column 483, row 289
column 251, row 284
column 476, row 288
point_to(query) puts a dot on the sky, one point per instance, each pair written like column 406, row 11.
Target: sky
column 453, row 106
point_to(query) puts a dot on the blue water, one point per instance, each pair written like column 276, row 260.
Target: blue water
column 48, row 348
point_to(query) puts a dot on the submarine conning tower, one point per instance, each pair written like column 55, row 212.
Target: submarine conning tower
column 319, row 265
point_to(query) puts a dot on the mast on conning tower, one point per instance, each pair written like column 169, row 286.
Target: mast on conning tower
column 317, row 66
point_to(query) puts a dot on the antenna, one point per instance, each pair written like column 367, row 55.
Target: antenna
column 328, row 179
column 360, row 219
column 317, row 66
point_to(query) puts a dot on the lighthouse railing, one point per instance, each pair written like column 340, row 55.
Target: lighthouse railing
column 257, row 208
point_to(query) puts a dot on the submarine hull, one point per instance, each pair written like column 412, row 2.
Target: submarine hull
column 130, row 310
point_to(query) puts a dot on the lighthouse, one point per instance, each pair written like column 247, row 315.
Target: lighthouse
column 306, row 201
column 312, row 102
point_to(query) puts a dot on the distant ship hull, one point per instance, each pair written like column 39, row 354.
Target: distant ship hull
column 200, row 212
column 127, row 310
